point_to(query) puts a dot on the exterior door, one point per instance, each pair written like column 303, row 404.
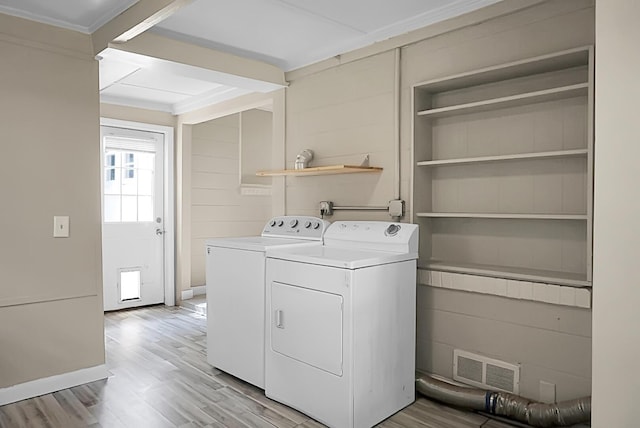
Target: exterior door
column 132, row 217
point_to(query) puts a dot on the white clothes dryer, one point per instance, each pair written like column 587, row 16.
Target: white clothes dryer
column 341, row 319
column 235, row 281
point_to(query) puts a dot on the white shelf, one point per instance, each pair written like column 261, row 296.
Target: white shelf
column 504, row 216
column 499, row 158
column 562, row 92
column 523, row 274
column 541, row 64
column 320, row 170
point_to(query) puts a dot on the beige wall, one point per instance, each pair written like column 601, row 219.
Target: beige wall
column 345, row 112
column 51, row 319
column 218, row 209
column 185, row 175
column 256, row 135
column 616, row 336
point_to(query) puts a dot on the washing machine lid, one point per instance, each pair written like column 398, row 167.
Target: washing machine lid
column 345, row 258
column 258, row 243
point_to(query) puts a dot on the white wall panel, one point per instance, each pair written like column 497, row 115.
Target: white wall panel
column 616, row 336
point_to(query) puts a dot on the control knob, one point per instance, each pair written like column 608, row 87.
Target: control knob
column 293, row 223
column 316, row 224
column 392, row 230
column 272, row 223
column 307, row 224
column 280, row 223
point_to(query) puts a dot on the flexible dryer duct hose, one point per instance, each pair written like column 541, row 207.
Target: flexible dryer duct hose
column 536, row 414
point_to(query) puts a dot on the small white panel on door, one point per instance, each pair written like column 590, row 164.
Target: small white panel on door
column 306, row 325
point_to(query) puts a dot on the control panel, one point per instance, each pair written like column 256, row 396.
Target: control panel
column 375, row 235
column 300, row 227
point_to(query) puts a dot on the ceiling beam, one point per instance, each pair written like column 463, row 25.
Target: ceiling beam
column 134, row 21
column 165, row 49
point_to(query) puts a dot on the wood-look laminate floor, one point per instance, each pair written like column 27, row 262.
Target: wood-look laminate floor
column 160, row 378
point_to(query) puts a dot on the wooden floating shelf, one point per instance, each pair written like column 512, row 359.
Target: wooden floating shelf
column 504, row 216
column 499, row 158
column 510, row 101
column 523, row 274
column 320, row 170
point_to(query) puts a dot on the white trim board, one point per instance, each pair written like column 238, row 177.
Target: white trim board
column 51, row 384
column 169, row 199
column 579, row 297
column 199, row 290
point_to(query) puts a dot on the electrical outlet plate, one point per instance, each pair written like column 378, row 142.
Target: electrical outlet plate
column 396, row 208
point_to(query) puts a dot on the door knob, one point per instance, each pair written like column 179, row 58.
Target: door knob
column 159, row 231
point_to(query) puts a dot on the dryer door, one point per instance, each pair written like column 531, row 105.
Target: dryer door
column 307, row 326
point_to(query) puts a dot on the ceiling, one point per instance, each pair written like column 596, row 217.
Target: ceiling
column 286, row 33
column 85, row 16
column 293, row 33
column 140, row 81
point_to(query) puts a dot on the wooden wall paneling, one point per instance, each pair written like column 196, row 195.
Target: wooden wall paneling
column 217, row 207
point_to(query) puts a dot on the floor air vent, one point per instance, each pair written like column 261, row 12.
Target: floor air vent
column 486, row 373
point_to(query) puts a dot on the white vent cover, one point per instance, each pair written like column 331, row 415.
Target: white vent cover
column 486, row 373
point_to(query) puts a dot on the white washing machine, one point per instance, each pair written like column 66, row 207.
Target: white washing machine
column 235, row 276
column 340, row 342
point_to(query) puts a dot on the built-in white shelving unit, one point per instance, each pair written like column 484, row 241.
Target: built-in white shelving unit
column 503, row 170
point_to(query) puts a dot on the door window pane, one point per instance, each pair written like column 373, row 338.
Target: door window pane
column 129, row 164
column 145, row 208
column 110, row 158
column 128, row 185
column 146, row 161
column 129, row 208
column 145, row 182
column 111, row 208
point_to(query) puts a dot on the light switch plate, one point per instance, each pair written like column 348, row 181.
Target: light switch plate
column 61, row 226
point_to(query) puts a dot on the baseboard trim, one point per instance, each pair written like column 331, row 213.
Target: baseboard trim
column 198, row 290
column 55, row 383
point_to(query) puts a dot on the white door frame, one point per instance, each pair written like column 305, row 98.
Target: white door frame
column 169, row 218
